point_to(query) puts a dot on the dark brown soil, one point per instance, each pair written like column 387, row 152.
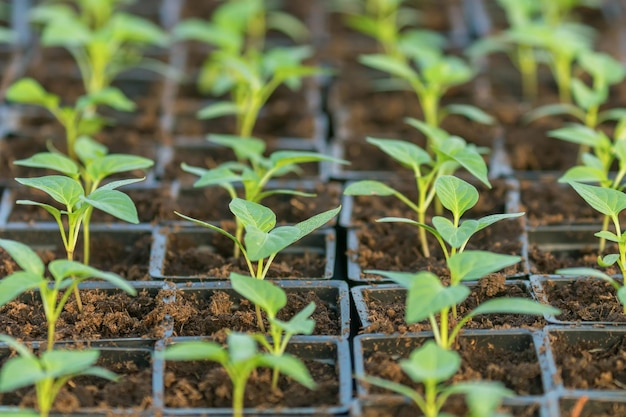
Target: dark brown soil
column 548, row 202
column 133, row 391
column 105, row 315
column 195, row 314
column 519, row 371
column 588, row 363
column 595, row 408
column 186, row 257
column 388, row 315
column 206, row 385
column 384, row 246
column 584, row 299
column 547, row 262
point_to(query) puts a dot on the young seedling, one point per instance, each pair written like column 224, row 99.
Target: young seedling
column 450, row 154
column 103, row 40
column 458, row 196
column 78, row 206
column 432, row 365
column 428, row 297
column 48, row 372
column 252, row 80
column 77, row 121
column 595, row 167
column 430, row 74
column 95, row 165
column 66, row 276
column 609, row 202
column 253, row 170
column 518, row 41
column 271, row 299
column 605, row 71
column 240, row 359
column 263, row 240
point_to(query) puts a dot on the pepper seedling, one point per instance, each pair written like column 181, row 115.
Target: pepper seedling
column 48, row 372
column 609, row 202
column 253, row 170
column 77, row 121
column 458, row 196
column 427, row 296
column 430, row 74
column 240, row 359
column 103, row 40
column 450, row 154
column 66, row 276
column 96, row 165
column 271, row 299
column 432, row 365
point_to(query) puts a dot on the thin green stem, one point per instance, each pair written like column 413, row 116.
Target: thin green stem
column 528, row 69
column 239, row 387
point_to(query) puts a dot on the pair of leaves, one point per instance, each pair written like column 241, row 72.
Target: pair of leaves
column 240, row 358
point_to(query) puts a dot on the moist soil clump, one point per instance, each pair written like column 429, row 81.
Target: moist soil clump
column 195, row 315
column 105, row 315
column 388, row 316
column 584, row 300
column 206, row 385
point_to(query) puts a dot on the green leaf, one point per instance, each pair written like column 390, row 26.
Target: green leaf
column 307, row 226
column 605, row 200
column 586, row 97
column 554, row 110
column 407, row 153
column 269, row 297
column 203, row 31
column 389, row 64
column 120, row 183
column 610, row 236
column 392, row 386
column 455, row 236
column 483, row 398
column 20, row 372
column 18, row 283
column 218, row 109
column 584, row 174
column 24, row 256
column 285, row 158
column 63, row 268
column 431, row 363
column 473, row 265
column 493, row 218
column 465, row 155
column 456, row 195
column 513, row 305
column 301, row 323
column 612, row 115
column 196, row 351
column 580, row 134
column 427, row 296
column 50, row 160
column 115, row 203
column 211, row 177
column 241, row 347
column 608, row 260
column 110, row 96
column 66, row 32
column 621, row 295
column 64, row 190
column 57, row 363
column 290, row 366
column 368, row 187
column 253, row 214
column 129, row 28
column 29, row 91
column 103, row 167
column 260, row 244
column 471, row 112
column 585, row 272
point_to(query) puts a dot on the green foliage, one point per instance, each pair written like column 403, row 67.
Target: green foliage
column 77, row 121
column 432, row 365
column 48, row 372
column 103, row 40
column 451, row 153
column 263, row 240
column 66, row 276
column 609, row 202
column 240, row 359
column 271, row 299
column 428, row 297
